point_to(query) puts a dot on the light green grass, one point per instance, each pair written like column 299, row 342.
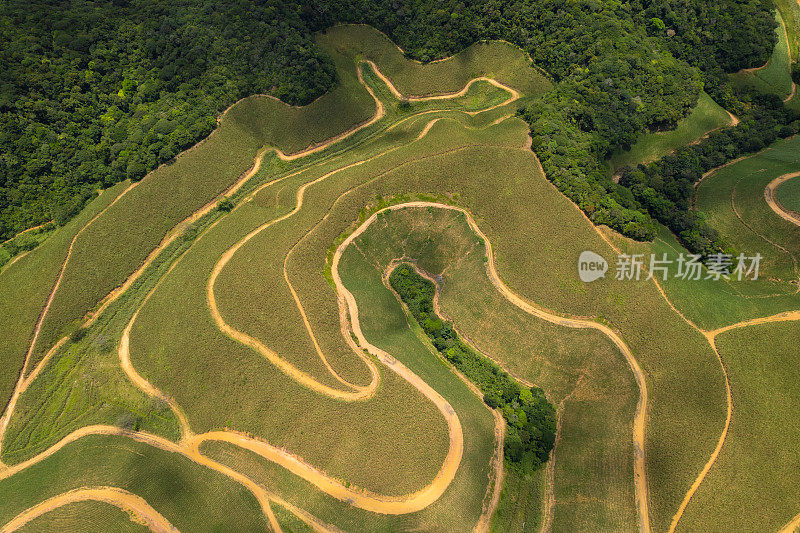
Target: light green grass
column 25, row 286
column 706, row 116
column 775, row 77
column 739, row 188
column 190, row 496
column 790, row 11
column 788, row 194
column 86, row 517
column 753, row 485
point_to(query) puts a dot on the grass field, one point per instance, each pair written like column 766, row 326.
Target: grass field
column 88, row 517
column 712, row 304
column 578, row 369
column 753, row 486
column 706, row 116
column 732, row 198
column 191, row 497
column 789, row 194
column 394, row 442
column 775, row 77
column 24, row 288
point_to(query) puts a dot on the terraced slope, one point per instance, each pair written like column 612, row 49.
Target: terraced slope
column 251, row 348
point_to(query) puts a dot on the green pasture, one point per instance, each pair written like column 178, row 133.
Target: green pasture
column 191, row 497
column 753, row 484
column 706, row 116
column 25, row 286
column 732, row 199
column 775, row 77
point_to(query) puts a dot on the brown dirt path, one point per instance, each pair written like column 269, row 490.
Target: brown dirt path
column 772, row 200
column 141, row 512
column 640, row 475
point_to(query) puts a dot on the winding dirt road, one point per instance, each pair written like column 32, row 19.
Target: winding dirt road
column 140, row 510
column 640, row 474
column 190, row 443
column 775, row 205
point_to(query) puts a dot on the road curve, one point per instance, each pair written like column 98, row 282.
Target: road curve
column 140, row 510
column 190, row 443
column 772, row 200
column 640, row 474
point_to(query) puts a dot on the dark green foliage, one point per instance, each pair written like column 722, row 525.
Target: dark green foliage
column 92, row 93
column 666, row 188
column 531, row 418
column 78, row 335
column 225, row 205
column 723, row 35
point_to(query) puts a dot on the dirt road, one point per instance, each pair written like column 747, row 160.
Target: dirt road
column 775, row 205
column 139, row 509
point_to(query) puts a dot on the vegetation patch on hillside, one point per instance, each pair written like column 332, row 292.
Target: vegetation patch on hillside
column 530, row 417
column 706, row 117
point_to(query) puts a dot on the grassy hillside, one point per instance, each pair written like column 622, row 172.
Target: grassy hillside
column 753, row 486
column 25, row 286
column 775, row 76
column 733, row 200
column 706, row 116
column 788, row 194
column 262, row 267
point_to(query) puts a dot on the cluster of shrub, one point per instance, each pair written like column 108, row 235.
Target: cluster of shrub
column 531, row 418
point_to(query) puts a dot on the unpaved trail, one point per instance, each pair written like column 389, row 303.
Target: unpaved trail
column 794, row 524
column 514, row 94
column 772, row 200
column 640, row 475
column 190, row 443
column 140, row 510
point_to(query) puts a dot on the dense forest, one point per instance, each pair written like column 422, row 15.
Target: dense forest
column 94, row 92
column 531, row 429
